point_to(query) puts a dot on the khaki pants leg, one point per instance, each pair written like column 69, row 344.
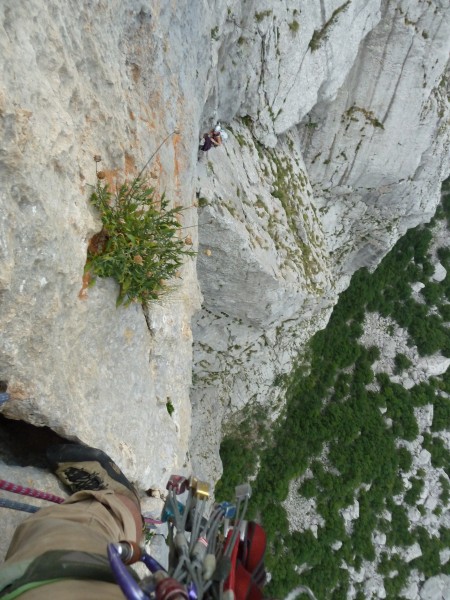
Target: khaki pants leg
column 87, row 521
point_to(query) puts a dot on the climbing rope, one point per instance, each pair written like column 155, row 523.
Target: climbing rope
column 18, row 505
column 26, row 491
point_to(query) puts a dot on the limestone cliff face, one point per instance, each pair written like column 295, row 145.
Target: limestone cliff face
column 115, row 79
column 343, row 146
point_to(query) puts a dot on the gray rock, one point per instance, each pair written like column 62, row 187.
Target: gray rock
column 444, row 555
column 411, row 592
column 436, row 588
column 412, row 552
column 380, row 539
column 73, row 361
column 439, row 272
column 424, row 458
column 416, row 287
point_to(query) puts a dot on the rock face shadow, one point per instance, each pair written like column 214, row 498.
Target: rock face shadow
column 24, row 445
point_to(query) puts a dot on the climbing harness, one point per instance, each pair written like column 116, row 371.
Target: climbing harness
column 215, row 557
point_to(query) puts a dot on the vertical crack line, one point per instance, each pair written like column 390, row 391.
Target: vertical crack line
column 383, row 120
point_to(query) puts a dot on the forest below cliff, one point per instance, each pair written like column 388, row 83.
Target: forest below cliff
column 350, row 433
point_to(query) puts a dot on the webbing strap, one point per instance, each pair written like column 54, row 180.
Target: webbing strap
column 247, row 574
column 245, row 588
column 61, row 564
column 27, row 587
column 255, row 548
column 230, row 581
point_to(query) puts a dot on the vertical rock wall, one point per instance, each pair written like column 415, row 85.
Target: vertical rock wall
column 114, row 79
column 353, row 97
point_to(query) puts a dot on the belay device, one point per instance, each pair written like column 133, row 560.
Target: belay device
column 217, row 557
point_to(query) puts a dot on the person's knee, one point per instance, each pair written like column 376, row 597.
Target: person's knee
column 135, row 512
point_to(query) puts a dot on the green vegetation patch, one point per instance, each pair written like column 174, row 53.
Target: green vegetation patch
column 367, row 114
column 259, row 16
column 139, row 244
column 289, row 186
column 246, row 438
column 402, row 362
column 320, row 35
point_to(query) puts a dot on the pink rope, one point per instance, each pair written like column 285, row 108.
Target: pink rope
column 26, row 491
column 152, row 521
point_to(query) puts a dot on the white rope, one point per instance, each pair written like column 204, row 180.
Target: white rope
column 301, row 589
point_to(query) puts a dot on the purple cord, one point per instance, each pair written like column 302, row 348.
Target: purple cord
column 123, row 578
column 152, row 521
column 151, row 563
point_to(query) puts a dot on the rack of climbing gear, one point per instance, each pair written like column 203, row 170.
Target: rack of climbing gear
column 215, row 557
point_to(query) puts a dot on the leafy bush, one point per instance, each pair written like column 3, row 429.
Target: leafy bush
column 308, row 489
column 413, row 494
column 388, row 566
column 444, row 254
column 444, row 496
column 139, row 245
column 400, row 410
column 373, row 354
column 275, row 519
column 440, row 456
column 422, row 394
column 240, row 460
column 429, row 563
column 432, row 293
column 402, row 362
column 444, row 311
column 441, row 414
column 444, row 536
column 404, row 459
column 399, row 534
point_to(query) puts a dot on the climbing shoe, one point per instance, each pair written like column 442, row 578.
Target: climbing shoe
column 83, row 468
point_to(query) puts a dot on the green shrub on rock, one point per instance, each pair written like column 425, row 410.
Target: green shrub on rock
column 139, row 244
